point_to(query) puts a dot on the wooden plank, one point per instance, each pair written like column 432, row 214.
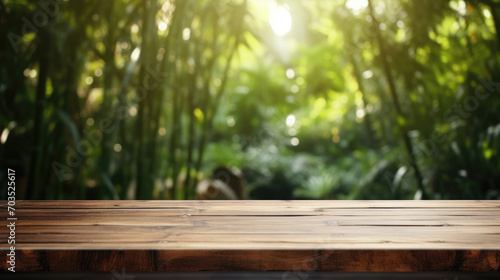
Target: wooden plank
column 255, row 275
column 121, row 241
column 269, row 211
column 289, row 222
column 359, row 217
column 185, row 204
column 331, row 232
column 276, row 229
column 245, row 229
column 293, row 261
column 233, row 232
column 368, row 247
column 249, row 221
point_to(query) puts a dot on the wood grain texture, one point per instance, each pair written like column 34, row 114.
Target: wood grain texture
column 126, row 275
column 255, row 236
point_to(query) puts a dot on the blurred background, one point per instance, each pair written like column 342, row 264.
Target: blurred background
column 356, row 99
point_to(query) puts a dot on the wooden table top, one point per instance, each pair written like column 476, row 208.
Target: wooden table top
column 257, row 227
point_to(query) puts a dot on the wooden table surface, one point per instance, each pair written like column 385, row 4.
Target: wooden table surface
column 255, row 235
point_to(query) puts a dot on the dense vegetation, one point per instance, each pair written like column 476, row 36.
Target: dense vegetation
column 356, row 99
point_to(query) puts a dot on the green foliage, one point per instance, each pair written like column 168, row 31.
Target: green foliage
column 132, row 99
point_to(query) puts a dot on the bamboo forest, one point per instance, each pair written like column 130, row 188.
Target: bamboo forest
column 316, row 99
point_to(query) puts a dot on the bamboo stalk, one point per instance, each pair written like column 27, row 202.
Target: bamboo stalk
column 207, row 129
column 177, row 108
column 205, row 103
column 397, row 106
column 191, row 107
column 33, row 185
column 109, row 73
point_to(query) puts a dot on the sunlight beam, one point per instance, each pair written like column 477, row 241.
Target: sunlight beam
column 279, row 18
column 356, row 5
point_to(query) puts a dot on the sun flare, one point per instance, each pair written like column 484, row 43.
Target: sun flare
column 356, row 5
column 279, row 18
